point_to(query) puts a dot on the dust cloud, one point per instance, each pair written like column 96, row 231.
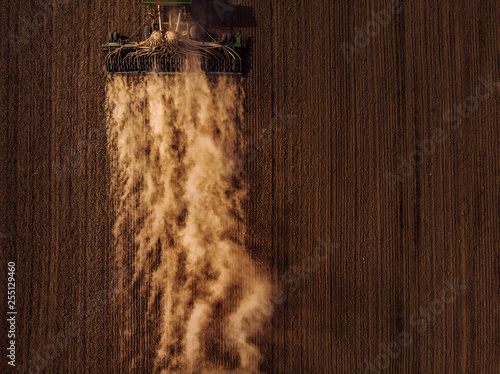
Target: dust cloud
column 178, row 189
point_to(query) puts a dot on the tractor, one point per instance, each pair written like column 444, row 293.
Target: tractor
column 173, row 43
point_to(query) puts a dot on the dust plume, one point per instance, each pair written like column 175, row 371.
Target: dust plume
column 196, row 298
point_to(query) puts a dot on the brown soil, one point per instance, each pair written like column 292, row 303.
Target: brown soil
column 322, row 174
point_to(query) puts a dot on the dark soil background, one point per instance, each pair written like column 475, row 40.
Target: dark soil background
column 323, row 134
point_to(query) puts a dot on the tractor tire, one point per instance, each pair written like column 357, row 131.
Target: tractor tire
column 196, row 33
column 111, row 37
column 115, row 37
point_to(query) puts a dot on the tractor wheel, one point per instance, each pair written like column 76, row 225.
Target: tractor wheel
column 111, row 37
column 148, row 30
column 196, row 33
column 115, row 37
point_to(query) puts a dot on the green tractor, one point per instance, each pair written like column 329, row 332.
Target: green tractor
column 173, row 43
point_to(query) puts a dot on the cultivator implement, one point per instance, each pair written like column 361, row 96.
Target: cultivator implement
column 174, row 44
column 173, row 57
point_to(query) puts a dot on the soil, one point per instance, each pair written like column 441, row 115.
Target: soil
column 416, row 99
